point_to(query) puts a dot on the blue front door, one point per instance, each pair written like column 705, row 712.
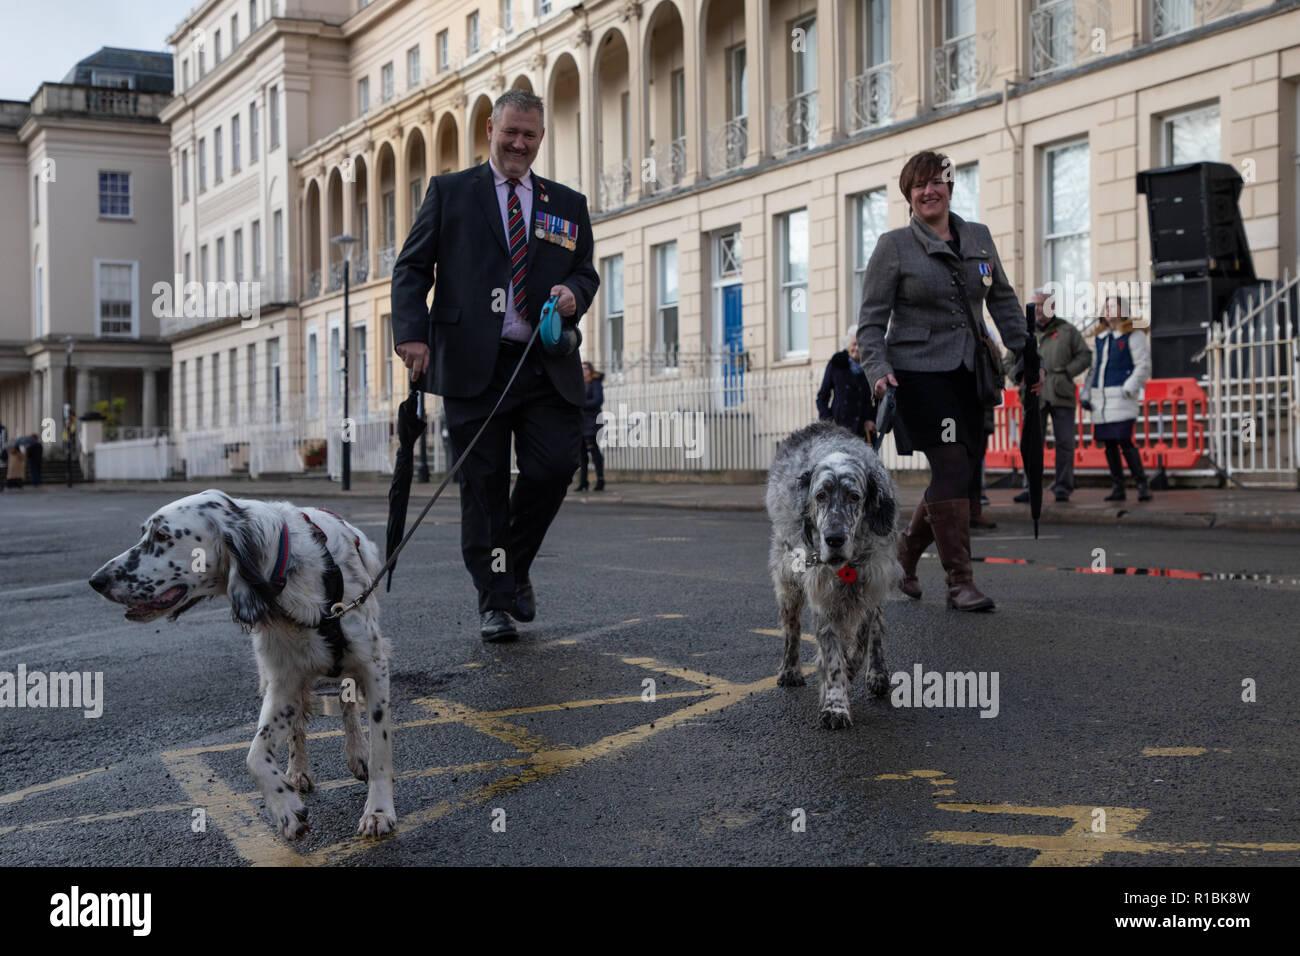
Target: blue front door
column 733, row 340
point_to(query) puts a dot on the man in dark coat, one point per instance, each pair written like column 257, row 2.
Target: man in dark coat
column 590, row 428
column 503, row 240
column 1065, row 356
column 845, row 395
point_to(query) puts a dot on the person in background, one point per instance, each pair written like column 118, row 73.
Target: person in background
column 1065, row 356
column 1113, row 394
column 845, row 394
column 590, row 411
column 35, row 452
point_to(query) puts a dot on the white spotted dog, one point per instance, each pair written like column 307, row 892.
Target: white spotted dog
column 833, row 507
column 282, row 568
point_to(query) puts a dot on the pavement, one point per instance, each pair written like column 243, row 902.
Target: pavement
column 1228, row 508
column 1145, row 717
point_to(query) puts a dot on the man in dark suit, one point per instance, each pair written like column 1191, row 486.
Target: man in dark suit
column 503, row 240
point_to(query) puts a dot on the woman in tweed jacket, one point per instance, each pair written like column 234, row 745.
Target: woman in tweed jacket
column 914, row 333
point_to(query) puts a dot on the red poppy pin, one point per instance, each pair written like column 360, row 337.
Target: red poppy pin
column 1120, row 344
column 847, row 574
column 1056, row 335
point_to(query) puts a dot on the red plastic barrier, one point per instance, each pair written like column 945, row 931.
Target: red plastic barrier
column 1178, row 441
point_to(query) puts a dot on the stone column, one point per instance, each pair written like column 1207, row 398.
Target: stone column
column 830, row 46
column 756, row 56
column 83, row 402
column 149, row 398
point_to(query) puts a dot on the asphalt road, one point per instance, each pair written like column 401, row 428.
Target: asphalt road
column 1120, row 736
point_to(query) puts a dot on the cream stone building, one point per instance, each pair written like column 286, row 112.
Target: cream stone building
column 86, row 232
column 739, row 157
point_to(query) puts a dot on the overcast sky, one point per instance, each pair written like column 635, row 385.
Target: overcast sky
column 41, row 40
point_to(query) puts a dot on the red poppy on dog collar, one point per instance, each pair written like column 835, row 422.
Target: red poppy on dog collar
column 847, row 574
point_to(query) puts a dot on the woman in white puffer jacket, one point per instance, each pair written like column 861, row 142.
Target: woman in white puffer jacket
column 1121, row 366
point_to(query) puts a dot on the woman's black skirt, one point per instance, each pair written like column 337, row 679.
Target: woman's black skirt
column 940, row 408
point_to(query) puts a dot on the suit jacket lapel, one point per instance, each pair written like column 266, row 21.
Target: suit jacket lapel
column 538, row 206
column 487, row 196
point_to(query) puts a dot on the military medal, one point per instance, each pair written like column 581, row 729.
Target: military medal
column 986, row 271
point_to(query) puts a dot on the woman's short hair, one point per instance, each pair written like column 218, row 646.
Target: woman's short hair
column 850, row 337
column 922, row 168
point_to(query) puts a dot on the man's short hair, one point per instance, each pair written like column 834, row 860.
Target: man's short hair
column 520, row 100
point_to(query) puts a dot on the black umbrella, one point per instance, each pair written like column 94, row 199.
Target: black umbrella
column 410, row 425
column 1031, row 427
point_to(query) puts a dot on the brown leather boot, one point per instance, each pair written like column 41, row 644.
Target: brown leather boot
column 977, row 520
column 911, row 546
column 950, row 521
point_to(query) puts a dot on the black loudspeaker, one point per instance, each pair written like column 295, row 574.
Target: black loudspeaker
column 1179, row 311
column 1195, row 224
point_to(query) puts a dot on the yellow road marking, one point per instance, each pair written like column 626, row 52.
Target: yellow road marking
column 773, row 632
column 94, row 818
column 19, row 795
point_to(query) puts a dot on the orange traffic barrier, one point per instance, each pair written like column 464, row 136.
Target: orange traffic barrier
column 1170, row 429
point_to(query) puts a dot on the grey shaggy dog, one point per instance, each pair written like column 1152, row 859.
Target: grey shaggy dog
column 833, row 508
column 281, row 567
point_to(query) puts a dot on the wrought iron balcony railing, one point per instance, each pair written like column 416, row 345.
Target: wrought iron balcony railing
column 870, row 97
column 962, row 68
column 794, row 124
column 727, row 146
column 668, row 165
column 387, row 256
column 615, row 184
column 1063, row 33
column 1174, row 16
column 313, row 283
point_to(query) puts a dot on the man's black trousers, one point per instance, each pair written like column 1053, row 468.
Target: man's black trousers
column 501, row 532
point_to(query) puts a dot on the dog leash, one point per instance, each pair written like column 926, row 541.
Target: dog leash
column 340, row 608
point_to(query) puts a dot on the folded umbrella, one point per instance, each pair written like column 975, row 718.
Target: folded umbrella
column 1031, row 430
column 410, row 425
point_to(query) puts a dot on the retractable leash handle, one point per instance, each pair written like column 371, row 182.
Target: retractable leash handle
column 557, row 340
column 339, row 608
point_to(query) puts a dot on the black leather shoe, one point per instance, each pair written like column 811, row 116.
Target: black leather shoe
column 600, row 484
column 583, row 487
column 495, row 626
column 1021, row 498
column 1062, row 497
column 525, row 608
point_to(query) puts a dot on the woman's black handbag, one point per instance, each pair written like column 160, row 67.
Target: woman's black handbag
column 988, row 378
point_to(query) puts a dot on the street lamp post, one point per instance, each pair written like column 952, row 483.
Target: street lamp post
column 67, row 410
column 345, row 243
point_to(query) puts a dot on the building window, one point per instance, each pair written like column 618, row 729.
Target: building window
column 507, row 16
column 1066, row 221
column 238, row 249
column 114, row 195
column 203, row 264
column 256, row 250
column 471, row 34
column 335, row 366
column 278, row 239
column 216, row 388
column 36, row 200
column 185, row 74
column 793, row 256
column 221, row 258
column 543, row 8
column 389, row 224
column 386, row 82
column 417, row 196
column 252, row 15
column 115, row 300
column 444, row 51
column 361, row 363
column 966, row 192
column 234, row 30
column 252, row 133
column 184, row 396
column 203, row 165
column 386, row 320
column 232, row 385
column 188, row 272
column 363, row 95
column 273, row 377
column 412, row 67
column 737, row 83
column 313, row 377
column 203, row 64
column 216, row 155
column 273, row 98
column 198, row 392
column 870, row 222
column 185, row 175
column 250, row 376
column 665, row 259
column 363, row 214
column 234, row 144
column 957, row 68
column 1191, row 136
column 796, row 127
column 611, row 281
column 216, row 46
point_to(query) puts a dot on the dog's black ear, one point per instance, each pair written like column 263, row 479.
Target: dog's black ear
column 251, row 595
column 882, row 506
column 801, row 484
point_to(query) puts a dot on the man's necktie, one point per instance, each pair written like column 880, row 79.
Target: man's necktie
column 518, row 246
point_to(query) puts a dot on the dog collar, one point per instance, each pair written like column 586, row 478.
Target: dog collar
column 282, row 559
column 848, row 574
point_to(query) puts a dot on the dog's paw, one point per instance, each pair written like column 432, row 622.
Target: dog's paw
column 300, row 780
column 877, row 683
column 359, row 769
column 835, row 718
column 376, row 823
column 293, row 821
column 790, row 678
